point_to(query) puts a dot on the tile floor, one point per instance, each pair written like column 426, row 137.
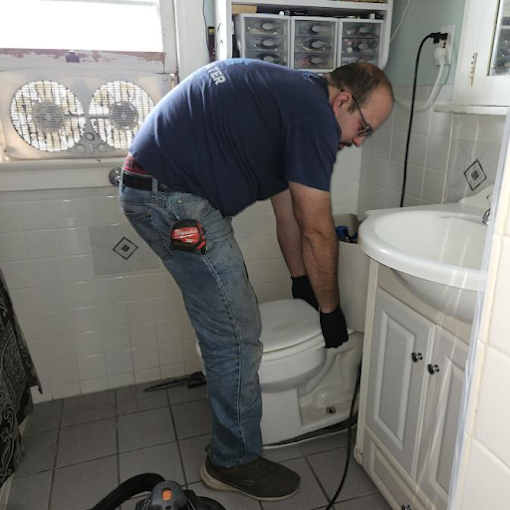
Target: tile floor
column 79, row 449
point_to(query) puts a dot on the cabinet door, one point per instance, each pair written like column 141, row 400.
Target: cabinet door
column 483, row 73
column 440, row 422
column 400, row 349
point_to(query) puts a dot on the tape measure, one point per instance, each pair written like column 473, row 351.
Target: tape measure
column 188, row 235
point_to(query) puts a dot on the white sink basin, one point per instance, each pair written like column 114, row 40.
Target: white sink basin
column 436, row 251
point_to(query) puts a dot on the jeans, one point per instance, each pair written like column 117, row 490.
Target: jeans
column 222, row 307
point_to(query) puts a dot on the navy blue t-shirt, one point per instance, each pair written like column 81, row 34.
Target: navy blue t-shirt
column 237, row 131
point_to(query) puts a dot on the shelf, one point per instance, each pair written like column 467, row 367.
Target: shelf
column 471, row 110
column 318, row 4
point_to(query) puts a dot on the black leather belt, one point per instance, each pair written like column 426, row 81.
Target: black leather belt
column 145, row 183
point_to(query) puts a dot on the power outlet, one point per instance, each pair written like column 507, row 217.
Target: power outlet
column 448, row 44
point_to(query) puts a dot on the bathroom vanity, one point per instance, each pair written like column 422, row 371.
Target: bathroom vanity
column 411, row 393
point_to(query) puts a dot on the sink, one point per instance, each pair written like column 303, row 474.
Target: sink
column 436, row 251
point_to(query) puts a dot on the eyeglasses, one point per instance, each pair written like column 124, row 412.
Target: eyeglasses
column 366, row 129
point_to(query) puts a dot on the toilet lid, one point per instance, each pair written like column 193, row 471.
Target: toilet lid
column 288, row 322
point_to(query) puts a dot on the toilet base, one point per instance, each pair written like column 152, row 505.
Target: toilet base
column 321, row 402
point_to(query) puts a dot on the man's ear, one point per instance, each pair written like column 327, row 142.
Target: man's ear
column 341, row 99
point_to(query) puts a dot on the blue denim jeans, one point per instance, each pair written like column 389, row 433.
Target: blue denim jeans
column 222, row 307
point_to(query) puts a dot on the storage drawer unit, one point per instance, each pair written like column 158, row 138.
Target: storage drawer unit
column 359, row 41
column 263, row 37
column 313, row 43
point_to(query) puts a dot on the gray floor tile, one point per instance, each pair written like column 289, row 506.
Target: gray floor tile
column 323, row 444
column 230, row 500
column 46, row 416
column 282, row 454
column 180, row 394
column 163, row 460
column 373, row 502
column 86, row 408
column 88, row 441
column 30, row 492
column 192, row 418
column 147, row 428
column 80, row 487
column 310, row 494
column 329, row 466
column 40, row 451
column 134, row 399
column 131, row 504
column 193, row 455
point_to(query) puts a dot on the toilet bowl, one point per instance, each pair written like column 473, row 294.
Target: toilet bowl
column 304, row 386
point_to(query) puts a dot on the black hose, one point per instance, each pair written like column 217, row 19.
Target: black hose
column 349, row 441
column 126, row 490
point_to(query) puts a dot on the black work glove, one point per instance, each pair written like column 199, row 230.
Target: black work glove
column 334, row 328
column 302, row 289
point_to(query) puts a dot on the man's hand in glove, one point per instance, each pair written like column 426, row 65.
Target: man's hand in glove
column 302, row 289
column 334, row 328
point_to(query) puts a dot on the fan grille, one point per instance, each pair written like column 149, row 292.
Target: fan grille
column 117, row 110
column 48, row 116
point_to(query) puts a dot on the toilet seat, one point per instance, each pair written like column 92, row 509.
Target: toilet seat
column 289, row 327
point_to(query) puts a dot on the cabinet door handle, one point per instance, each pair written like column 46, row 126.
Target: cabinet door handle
column 433, row 369
column 416, row 356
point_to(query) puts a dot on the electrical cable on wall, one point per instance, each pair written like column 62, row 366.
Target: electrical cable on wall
column 436, row 36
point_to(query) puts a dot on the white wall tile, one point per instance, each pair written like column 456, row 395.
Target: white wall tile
column 50, row 298
column 12, row 247
column 8, row 196
column 118, row 363
column 88, row 343
column 491, row 128
column 264, row 271
column 143, row 334
column 41, row 244
column 500, row 319
column 170, row 354
column 110, row 290
column 138, row 287
column 46, row 271
column 170, row 371
column 77, row 268
column 383, row 144
column 65, row 390
column 116, row 339
column 100, row 210
column 267, row 247
column 437, row 152
column 140, row 312
column 63, row 372
column 74, row 241
column 59, row 348
column 23, row 301
column 441, row 124
column 380, row 171
column 114, row 316
column 37, row 215
column 465, row 126
column 494, row 401
column 84, row 319
column 145, row 358
column 119, row 381
column 10, row 218
column 91, row 367
column 169, row 331
column 414, row 183
column 487, row 482
column 418, row 150
column 94, row 385
column 167, row 308
column 31, row 327
column 70, row 213
column 433, row 185
column 80, row 294
column 17, row 274
column 190, row 351
column 55, row 324
column 147, row 375
column 188, row 332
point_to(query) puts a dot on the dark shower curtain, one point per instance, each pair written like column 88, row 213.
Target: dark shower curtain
column 17, row 376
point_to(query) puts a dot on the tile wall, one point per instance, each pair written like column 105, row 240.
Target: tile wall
column 442, row 146
column 484, row 474
column 89, row 329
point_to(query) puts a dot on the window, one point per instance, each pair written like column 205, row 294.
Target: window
column 109, row 25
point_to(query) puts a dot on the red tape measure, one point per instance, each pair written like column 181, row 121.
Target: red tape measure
column 188, row 235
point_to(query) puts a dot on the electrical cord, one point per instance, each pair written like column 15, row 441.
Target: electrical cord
column 349, row 441
column 436, row 36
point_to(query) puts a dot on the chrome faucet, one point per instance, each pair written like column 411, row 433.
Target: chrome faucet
column 486, row 216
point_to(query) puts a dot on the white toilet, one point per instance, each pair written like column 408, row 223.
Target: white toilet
column 306, row 387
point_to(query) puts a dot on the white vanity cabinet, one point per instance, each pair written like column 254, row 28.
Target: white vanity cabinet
column 483, row 69
column 375, row 14
column 408, row 421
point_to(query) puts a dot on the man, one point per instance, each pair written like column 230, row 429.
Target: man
column 235, row 132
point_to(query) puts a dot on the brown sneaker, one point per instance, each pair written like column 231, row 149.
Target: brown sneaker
column 261, row 479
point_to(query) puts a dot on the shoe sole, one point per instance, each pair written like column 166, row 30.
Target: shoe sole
column 215, row 484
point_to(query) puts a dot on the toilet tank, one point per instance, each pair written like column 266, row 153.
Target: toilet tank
column 353, row 267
